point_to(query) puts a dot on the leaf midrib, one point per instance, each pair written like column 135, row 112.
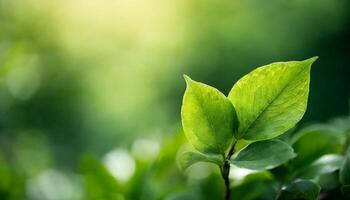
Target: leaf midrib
column 276, row 97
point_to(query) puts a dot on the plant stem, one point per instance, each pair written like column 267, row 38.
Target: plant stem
column 225, row 175
column 225, row 171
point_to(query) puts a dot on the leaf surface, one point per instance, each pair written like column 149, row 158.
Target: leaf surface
column 271, row 99
column 263, row 155
column 345, row 170
column 315, row 141
column 324, row 165
column 208, row 118
column 301, row 189
column 189, row 158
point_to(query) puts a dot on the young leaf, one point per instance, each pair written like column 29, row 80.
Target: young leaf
column 271, row 99
column 189, row 158
column 324, row 165
column 344, row 174
column 301, row 189
column 263, row 155
column 208, row 118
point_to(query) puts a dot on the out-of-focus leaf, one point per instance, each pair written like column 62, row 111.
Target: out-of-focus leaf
column 189, row 158
column 324, row 165
column 253, row 186
column 301, row 189
column 313, row 142
column 346, row 191
column 208, row 118
column 184, row 195
column 345, row 170
column 271, row 99
column 328, row 181
column 263, row 155
column 99, row 183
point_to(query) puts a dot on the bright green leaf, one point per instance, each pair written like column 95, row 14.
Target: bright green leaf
column 271, row 99
column 314, row 141
column 324, row 165
column 301, row 189
column 345, row 170
column 263, row 155
column 208, row 118
column 189, row 158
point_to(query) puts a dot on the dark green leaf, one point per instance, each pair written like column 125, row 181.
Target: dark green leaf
column 255, row 188
column 345, row 170
column 301, row 189
column 324, row 165
column 263, row 155
column 313, row 142
column 346, row 191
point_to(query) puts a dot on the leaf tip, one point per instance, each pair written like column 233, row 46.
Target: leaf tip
column 311, row 60
column 187, row 78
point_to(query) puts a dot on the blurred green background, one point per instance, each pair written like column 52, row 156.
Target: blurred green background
column 90, row 91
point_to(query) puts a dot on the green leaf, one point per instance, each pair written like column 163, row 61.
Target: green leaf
column 346, row 191
column 263, row 155
column 99, row 182
column 271, row 99
column 255, row 186
column 301, row 189
column 324, row 165
column 344, row 175
column 315, row 141
column 208, row 118
column 189, row 158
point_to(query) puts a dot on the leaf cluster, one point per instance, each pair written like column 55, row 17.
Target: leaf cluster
column 245, row 129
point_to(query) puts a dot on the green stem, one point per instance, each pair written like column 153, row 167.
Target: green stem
column 225, row 175
column 225, row 171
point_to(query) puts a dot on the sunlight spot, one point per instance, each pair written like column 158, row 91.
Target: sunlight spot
column 239, row 174
column 120, row 164
column 145, row 149
column 52, row 185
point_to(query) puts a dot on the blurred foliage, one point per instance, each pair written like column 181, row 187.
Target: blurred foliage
column 83, row 83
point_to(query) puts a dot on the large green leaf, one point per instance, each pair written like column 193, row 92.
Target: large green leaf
column 208, row 118
column 189, row 158
column 345, row 170
column 315, row 141
column 324, row 165
column 271, row 99
column 301, row 189
column 263, row 155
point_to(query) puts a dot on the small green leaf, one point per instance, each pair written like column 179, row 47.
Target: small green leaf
column 345, row 170
column 324, row 165
column 315, row 141
column 208, row 118
column 271, row 99
column 264, row 155
column 189, row 158
column 301, row 189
